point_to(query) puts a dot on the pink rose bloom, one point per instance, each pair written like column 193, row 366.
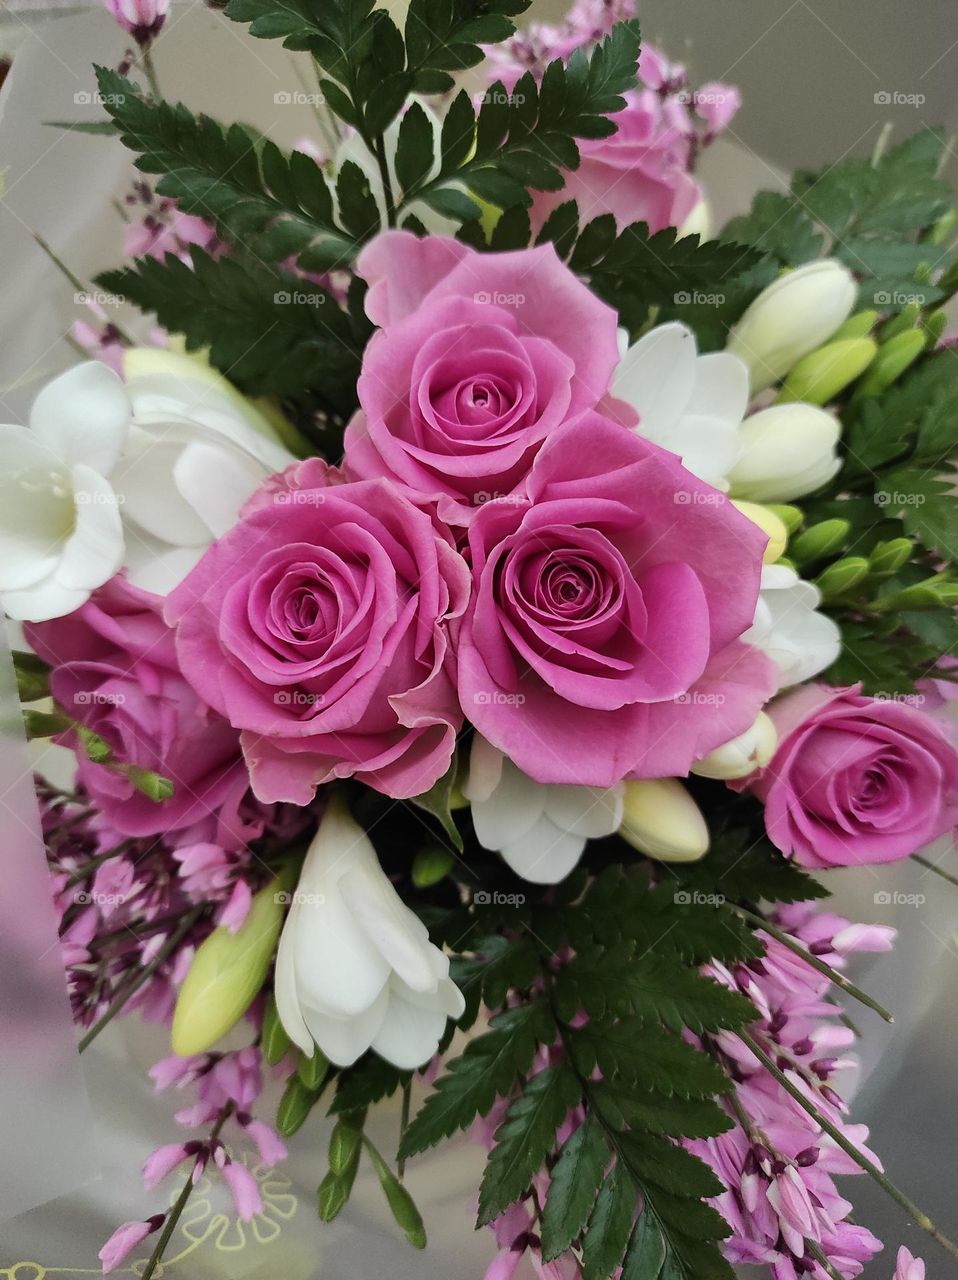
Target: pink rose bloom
column 115, row 671
column 318, row 625
column 481, row 356
column 601, row 641
column 855, row 779
column 640, row 173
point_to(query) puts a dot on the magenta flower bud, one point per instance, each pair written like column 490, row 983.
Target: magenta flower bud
column 125, row 1239
column 141, row 18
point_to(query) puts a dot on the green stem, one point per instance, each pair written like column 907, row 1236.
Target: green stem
column 140, row 977
column 931, row 866
column 149, row 70
column 379, row 150
column 403, row 1126
column 83, row 871
column 75, row 280
column 833, row 975
column 909, row 1206
column 179, row 1205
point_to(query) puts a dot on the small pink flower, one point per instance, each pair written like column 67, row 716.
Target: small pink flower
column 908, row 1267
column 244, row 1190
column 268, row 1143
column 237, row 907
column 162, row 1162
column 141, row 18
column 124, row 1240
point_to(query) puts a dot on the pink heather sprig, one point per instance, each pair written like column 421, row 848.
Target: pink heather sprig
column 777, row 1166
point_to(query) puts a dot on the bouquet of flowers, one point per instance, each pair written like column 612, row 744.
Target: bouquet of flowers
column 479, row 615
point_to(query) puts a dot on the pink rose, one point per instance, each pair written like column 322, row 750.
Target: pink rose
column 855, row 779
column 481, row 356
column 601, row 641
column 640, row 173
column 318, row 625
column 115, row 671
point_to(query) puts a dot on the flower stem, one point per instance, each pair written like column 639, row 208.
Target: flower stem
column 403, row 1126
column 848, row 1147
column 833, row 975
column 931, row 866
column 140, row 977
column 179, row 1205
column 149, row 70
column 83, row 871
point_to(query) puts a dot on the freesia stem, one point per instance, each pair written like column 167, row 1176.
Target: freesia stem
column 931, row 866
column 849, row 1148
column 149, row 70
column 833, row 975
column 140, row 977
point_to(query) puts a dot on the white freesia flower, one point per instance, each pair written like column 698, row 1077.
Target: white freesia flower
column 196, row 451
column 60, row 530
column 789, row 629
column 797, row 313
column 690, row 404
column 355, row 968
column 787, row 451
column 662, row 821
column 540, row 829
column 143, row 475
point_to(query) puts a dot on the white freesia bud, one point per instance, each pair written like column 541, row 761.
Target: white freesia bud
column 751, row 750
column 540, row 829
column 785, row 452
column 789, row 629
column 794, row 315
column 355, row 968
column 662, row 821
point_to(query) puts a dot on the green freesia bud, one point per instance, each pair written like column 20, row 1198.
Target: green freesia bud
column 33, row 676
column 842, row 576
column 819, row 540
column 294, row 1107
column 820, row 376
column 403, row 1207
column 430, row 866
column 344, row 1146
column 857, row 326
column 313, row 1070
column 274, row 1041
column 332, row 1196
column 906, row 319
column 791, row 517
column 152, row 785
column 932, row 594
column 888, row 557
column 226, row 974
column 44, row 724
column 769, row 523
column 893, row 358
column 940, row 233
column 934, row 326
column 96, row 748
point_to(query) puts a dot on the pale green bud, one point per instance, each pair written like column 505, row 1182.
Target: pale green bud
column 888, row 557
column 935, row 325
column 661, row 820
column 906, row 319
column 770, row 524
column 893, row 358
column 314, row 1069
column 33, row 676
column 819, row 540
column 274, row 1041
column 226, row 974
column 821, row 375
column 430, row 866
column 152, row 785
column 294, row 1107
column 791, row 517
column 842, row 576
column 857, row 326
column 787, row 451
